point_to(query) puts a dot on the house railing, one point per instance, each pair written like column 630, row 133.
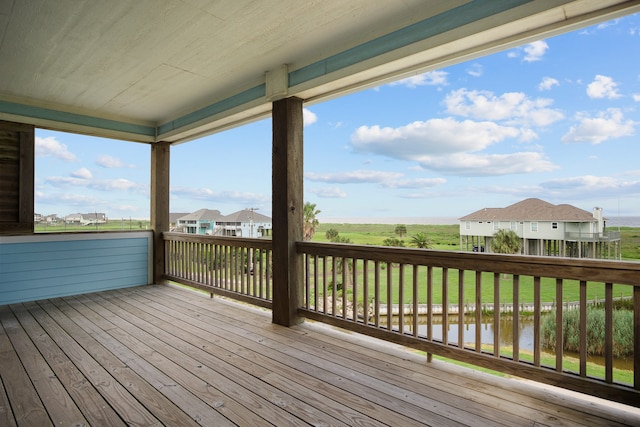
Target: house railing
column 428, row 292
column 236, row 267
column 605, row 236
column 370, row 290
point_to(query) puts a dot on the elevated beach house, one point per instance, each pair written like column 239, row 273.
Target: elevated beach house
column 545, row 229
column 93, row 330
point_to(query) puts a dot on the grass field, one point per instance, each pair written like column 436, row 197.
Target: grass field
column 443, row 237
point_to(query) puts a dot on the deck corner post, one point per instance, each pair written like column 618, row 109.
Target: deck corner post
column 287, row 209
column 159, row 205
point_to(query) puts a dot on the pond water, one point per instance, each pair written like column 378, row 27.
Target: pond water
column 506, row 336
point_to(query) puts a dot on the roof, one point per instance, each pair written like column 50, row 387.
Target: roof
column 245, row 215
column 532, row 210
column 166, row 70
column 202, row 215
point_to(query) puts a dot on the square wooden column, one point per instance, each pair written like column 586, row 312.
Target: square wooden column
column 17, row 154
column 287, row 209
column 159, row 205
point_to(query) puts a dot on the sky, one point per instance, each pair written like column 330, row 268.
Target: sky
column 557, row 119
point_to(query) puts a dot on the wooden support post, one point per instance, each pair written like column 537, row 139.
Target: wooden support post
column 287, row 209
column 159, row 205
column 17, row 153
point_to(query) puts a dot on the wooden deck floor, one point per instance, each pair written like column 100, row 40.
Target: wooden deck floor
column 157, row 355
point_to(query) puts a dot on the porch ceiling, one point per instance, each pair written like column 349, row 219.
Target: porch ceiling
column 172, row 70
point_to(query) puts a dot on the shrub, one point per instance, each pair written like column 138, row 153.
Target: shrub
column 622, row 331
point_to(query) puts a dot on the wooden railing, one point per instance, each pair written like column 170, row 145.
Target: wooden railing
column 371, row 290
column 231, row 266
column 414, row 297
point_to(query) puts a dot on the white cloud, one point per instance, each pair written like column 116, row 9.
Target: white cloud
column 207, row 194
column 475, row 70
column 547, row 83
column 603, row 87
column 51, row 147
column 466, row 164
column 636, row 97
column 415, row 183
column 430, row 78
column 535, row 51
column 329, row 193
column 590, row 185
column 606, row 125
column 82, row 173
column 433, row 137
column 308, row 117
column 353, row 177
column 511, row 107
column 83, row 178
column 109, row 162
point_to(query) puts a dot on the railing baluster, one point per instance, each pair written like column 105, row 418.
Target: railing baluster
column 307, row 284
column 536, row 321
column 365, row 290
column 376, row 292
column 583, row 328
column 354, row 288
column 445, row 305
column 516, row 317
column 316, row 286
column 345, row 267
column 496, row 314
column 401, row 299
column 478, row 337
column 389, row 297
column 608, row 332
column 430, row 309
column 636, row 337
column 559, row 329
column 416, row 298
column 324, row 285
column 461, row 308
column 334, row 291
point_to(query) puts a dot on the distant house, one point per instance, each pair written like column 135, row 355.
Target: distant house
column 86, row 219
column 545, row 229
column 173, row 220
column 245, row 223
column 202, row 221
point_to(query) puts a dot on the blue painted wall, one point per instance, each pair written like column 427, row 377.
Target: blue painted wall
column 48, row 266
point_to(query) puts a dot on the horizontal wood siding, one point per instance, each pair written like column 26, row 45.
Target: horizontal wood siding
column 39, row 267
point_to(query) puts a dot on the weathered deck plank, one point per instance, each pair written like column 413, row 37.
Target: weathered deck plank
column 157, row 355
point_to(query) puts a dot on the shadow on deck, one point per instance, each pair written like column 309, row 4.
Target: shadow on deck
column 157, row 355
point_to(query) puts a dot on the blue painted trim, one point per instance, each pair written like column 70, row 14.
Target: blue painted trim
column 419, row 31
column 236, row 100
column 75, row 119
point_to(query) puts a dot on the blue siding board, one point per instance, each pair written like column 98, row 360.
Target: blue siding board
column 72, row 265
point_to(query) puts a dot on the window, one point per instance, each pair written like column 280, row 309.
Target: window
column 514, row 226
column 534, row 226
column 554, row 225
column 467, row 225
column 496, row 225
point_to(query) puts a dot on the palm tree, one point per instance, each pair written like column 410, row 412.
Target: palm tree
column 392, row 241
column 310, row 220
column 331, row 234
column 401, row 230
column 421, row 240
column 506, row 242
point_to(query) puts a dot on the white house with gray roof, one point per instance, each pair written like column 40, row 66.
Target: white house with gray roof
column 545, row 229
column 243, row 223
